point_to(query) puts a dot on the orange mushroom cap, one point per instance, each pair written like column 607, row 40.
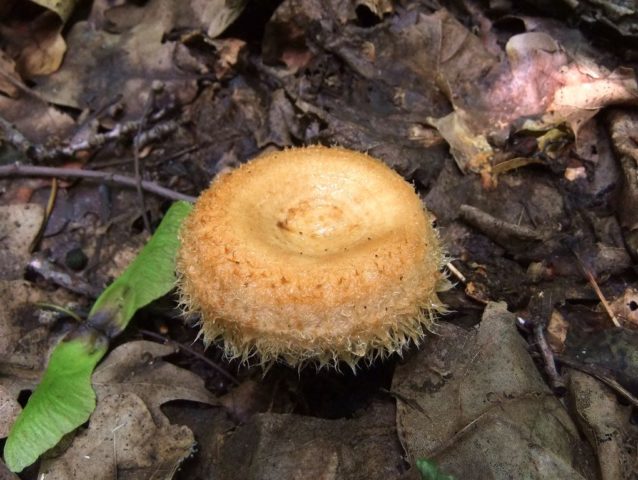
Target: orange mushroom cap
column 310, row 254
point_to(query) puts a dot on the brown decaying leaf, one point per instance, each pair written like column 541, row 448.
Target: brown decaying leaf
column 625, row 308
column 128, row 57
column 39, row 122
column 37, row 46
column 19, row 224
column 488, row 412
column 63, row 8
column 128, row 435
column 105, row 65
column 27, row 334
column 538, row 79
column 557, row 330
column 604, row 422
column 8, row 76
column 281, row 446
column 123, row 441
column 138, row 367
column 9, row 411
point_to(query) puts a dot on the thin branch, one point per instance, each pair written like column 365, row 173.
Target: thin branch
column 136, row 159
column 456, row 272
column 18, row 169
column 592, row 281
column 194, row 353
column 555, row 380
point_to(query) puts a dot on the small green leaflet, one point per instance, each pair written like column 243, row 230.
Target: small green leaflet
column 149, row 277
column 64, row 399
column 430, row 471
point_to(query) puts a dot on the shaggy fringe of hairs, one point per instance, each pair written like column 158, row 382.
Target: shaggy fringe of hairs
column 265, row 354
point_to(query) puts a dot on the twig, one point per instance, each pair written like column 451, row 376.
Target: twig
column 121, row 130
column 599, row 293
column 51, row 273
column 137, row 141
column 555, row 380
column 456, row 272
column 18, row 169
column 502, row 232
column 195, row 353
column 15, row 138
column 53, row 195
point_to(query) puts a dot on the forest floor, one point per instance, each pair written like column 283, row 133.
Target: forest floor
column 516, row 125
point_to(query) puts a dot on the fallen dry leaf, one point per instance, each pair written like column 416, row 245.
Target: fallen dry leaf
column 63, row 8
column 19, row 225
column 378, row 8
column 537, row 86
column 604, row 422
column 36, row 45
column 9, row 411
column 625, row 308
column 217, row 15
column 128, row 435
column 623, row 126
column 138, row 367
column 9, row 78
column 475, row 402
column 557, row 330
column 126, row 51
column 25, row 329
column 122, row 441
column 294, row 447
column 39, row 122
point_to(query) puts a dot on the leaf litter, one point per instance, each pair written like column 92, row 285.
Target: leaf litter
column 128, row 435
column 512, row 97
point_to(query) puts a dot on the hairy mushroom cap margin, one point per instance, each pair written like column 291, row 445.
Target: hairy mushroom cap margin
column 312, row 254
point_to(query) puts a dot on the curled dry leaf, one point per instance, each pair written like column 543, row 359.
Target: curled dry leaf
column 63, row 8
column 378, row 8
column 37, row 46
column 537, row 86
column 126, row 54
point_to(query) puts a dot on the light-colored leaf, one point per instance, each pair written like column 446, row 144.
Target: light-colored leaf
column 138, row 367
column 63, row 8
column 19, row 224
column 122, row 437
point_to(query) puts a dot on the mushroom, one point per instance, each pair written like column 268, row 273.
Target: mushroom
column 310, row 255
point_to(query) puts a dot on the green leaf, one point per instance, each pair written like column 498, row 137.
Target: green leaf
column 63, row 401
column 430, row 471
column 149, row 277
